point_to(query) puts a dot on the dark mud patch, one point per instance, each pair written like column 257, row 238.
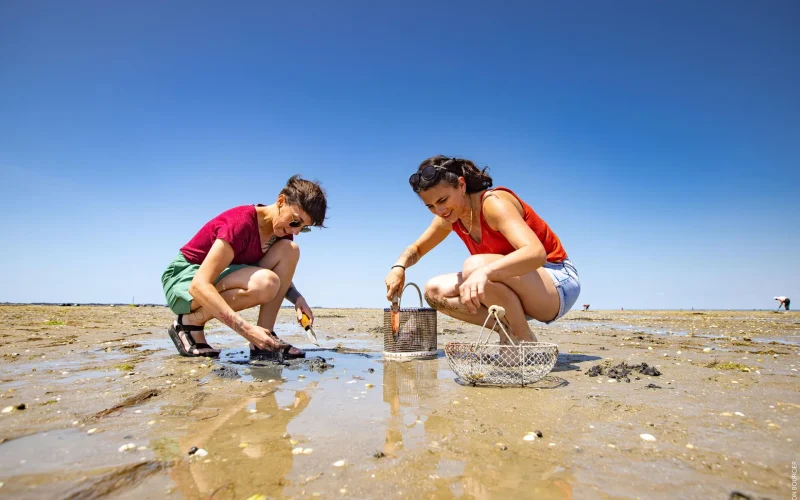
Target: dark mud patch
column 225, row 371
column 128, row 402
column 119, row 479
column 622, row 371
column 315, row 364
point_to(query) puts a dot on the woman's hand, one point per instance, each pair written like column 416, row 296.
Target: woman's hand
column 473, row 290
column 394, row 282
column 301, row 307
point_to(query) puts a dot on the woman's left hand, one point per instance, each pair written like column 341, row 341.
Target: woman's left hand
column 301, row 307
column 473, row 290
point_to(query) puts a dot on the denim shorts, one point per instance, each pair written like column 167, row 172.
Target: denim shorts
column 565, row 278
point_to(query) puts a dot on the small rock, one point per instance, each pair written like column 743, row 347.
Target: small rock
column 501, row 446
column 21, row 406
column 647, row 437
column 369, row 386
column 126, row 447
column 193, row 450
column 91, row 431
column 538, row 433
column 726, row 414
column 690, row 446
column 378, row 454
column 201, row 452
column 707, row 349
column 740, row 414
column 371, row 370
column 529, row 437
column 339, row 463
column 297, row 451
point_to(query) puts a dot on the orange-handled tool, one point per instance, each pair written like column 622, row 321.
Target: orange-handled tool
column 306, row 323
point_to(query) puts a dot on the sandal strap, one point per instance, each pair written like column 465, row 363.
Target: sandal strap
column 203, row 345
column 188, row 328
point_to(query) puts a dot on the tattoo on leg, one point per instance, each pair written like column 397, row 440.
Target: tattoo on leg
column 198, row 315
column 438, row 303
column 235, row 322
column 411, row 255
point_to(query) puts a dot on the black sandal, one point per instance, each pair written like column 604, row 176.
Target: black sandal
column 286, row 352
column 174, row 334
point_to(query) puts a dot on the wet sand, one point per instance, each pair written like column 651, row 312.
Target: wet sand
column 723, row 412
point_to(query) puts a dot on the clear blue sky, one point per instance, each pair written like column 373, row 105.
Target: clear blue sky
column 660, row 140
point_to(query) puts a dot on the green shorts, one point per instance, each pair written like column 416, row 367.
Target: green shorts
column 177, row 278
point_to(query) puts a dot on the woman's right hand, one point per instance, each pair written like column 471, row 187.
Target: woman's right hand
column 263, row 339
column 394, row 282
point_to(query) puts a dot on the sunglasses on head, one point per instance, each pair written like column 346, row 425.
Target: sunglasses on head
column 428, row 173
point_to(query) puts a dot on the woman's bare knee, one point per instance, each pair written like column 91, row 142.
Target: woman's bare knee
column 474, row 262
column 263, row 285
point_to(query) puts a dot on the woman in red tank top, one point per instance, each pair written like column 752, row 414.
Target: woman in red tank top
column 516, row 261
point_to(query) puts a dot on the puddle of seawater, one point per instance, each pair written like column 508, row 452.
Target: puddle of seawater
column 53, row 451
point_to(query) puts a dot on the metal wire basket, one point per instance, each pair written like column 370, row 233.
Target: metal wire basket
column 412, row 334
column 516, row 363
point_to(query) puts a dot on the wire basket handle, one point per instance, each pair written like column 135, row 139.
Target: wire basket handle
column 498, row 312
column 398, row 297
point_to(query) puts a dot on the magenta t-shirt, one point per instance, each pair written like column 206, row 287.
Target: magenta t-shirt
column 239, row 227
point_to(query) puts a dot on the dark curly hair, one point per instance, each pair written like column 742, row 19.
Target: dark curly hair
column 448, row 170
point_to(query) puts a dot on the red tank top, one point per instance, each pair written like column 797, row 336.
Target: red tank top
column 494, row 242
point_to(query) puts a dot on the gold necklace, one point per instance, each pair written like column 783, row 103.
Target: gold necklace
column 470, row 217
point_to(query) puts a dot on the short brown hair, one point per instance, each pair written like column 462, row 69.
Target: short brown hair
column 307, row 195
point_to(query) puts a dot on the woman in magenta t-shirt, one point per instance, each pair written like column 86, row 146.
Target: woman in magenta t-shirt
column 242, row 258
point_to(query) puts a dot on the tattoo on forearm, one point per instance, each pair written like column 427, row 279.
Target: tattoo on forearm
column 292, row 294
column 411, row 256
column 234, row 321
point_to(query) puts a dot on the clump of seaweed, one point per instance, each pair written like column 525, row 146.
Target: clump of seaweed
column 622, row 370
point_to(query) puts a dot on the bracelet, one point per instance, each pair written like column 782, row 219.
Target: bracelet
column 398, row 265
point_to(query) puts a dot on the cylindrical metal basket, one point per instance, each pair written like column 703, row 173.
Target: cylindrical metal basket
column 415, row 333
column 481, row 363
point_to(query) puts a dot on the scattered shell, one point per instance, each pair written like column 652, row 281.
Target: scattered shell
column 726, row 414
column 707, row 349
column 293, row 442
column 690, row 446
column 151, row 422
column 201, row 452
column 243, row 445
column 257, row 497
column 339, row 463
column 126, row 447
column 369, row 386
column 343, row 490
column 253, row 410
column 647, row 437
column 297, row 451
column 8, row 409
column 91, row 431
column 308, row 451
column 738, row 413
column 501, row 446
column 141, row 448
column 529, row 437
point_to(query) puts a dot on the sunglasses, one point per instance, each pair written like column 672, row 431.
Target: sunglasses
column 429, row 173
column 297, row 223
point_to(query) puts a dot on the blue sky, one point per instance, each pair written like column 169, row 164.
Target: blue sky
column 660, row 140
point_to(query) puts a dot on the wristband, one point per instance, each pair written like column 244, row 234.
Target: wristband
column 398, row 265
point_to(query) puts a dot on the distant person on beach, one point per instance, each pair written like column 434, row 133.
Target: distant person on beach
column 516, row 261
column 783, row 301
column 242, row 258
column 586, row 307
